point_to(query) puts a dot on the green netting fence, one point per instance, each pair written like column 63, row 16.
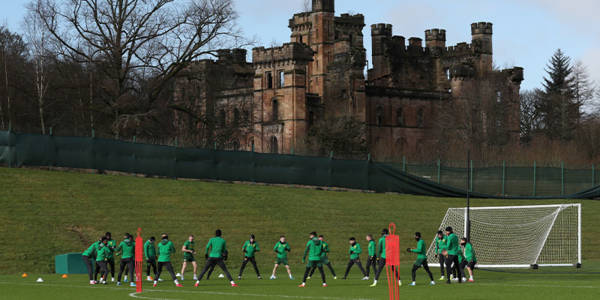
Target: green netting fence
column 434, row 179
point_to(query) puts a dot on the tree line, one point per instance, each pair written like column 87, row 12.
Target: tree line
column 561, row 119
column 105, row 68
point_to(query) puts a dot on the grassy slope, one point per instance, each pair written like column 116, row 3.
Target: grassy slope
column 47, row 213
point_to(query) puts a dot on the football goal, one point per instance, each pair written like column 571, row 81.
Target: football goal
column 519, row 236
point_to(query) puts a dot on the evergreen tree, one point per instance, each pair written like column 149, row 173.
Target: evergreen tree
column 558, row 107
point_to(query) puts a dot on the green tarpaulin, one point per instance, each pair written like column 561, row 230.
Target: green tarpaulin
column 17, row 150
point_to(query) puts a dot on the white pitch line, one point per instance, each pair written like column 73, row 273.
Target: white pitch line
column 136, row 295
column 542, row 286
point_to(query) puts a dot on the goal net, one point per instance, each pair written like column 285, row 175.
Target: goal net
column 519, row 236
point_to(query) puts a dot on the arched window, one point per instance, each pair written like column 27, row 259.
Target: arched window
column 252, row 144
column 379, row 116
column 400, row 117
column 400, row 146
column 236, row 117
column 222, row 118
column 420, row 117
column 236, row 145
column 274, row 145
column 275, row 110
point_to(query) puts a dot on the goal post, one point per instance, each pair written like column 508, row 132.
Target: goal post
column 519, row 236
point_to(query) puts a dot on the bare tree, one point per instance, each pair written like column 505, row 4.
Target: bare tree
column 530, row 118
column 583, row 87
column 137, row 40
column 12, row 51
column 37, row 38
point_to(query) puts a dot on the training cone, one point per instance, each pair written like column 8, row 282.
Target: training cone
column 221, row 276
column 64, row 276
column 24, row 275
column 40, row 280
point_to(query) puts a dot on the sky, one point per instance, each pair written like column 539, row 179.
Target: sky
column 526, row 32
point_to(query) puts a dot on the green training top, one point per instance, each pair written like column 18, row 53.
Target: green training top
column 127, row 247
column 440, row 244
column 371, row 248
column 313, row 249
column 354, row 251
column 188, row 246
column 381, row 244
column 149, row 250
column 216, row 246
column 91, row 250
column 103, row 252
column 470, row 253
column 452, row 244
column 111, row 246
column 165, row 249
column 282, row 249
column 421, row 250
column 250, row 248
column 324, row 249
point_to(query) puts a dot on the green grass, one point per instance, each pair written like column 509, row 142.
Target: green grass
column 46, row 213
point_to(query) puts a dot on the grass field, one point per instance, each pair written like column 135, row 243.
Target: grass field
column 45, row 213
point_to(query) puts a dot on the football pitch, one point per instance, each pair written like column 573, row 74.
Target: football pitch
column 553, row 283
column 45, row 213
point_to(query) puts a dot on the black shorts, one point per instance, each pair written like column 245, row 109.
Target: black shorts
column 471, row 265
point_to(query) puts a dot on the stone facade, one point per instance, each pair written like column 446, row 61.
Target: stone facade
column 412, row 93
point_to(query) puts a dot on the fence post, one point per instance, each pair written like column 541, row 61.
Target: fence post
column 403, row 163
column 503, row 177
column 369, row 157
column 93, row 133
column 471, row 177
column 292, row 152
column 134, row 138
column 562, row 178
column 50, row 130
column 176, row 142
column 534, row 179
column 215, row 147
column 593, row 176
column 252, row 147
column 439, row 171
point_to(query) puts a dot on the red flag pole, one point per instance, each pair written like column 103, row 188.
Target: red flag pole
column 392, row 262
column 139, row 255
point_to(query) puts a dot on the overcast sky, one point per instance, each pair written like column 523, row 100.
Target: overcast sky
column 526, row 32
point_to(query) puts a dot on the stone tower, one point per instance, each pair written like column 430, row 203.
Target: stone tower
column 482, row 43
column 279, row 105
column 323, row 6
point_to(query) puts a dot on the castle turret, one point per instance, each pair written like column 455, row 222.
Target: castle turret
column 435, row 38
column 482, row 44
column 381, row 35
column 323, row 6
column 482, row 37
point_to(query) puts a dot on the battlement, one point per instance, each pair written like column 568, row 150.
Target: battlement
column 237, row 55
column 415, row 42
column 435, row 35
column 460, row 49
column 300, row 21
column 381, row 29
column 482, row 28
column 348, row 19
column 286, row 52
